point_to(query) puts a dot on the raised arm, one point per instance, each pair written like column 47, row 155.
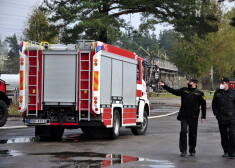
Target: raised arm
column 176, row 92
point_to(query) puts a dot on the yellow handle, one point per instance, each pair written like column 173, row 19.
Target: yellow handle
column 27, row 44
column 42, row 44
column 93, row 46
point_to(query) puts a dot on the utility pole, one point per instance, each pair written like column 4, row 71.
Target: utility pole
column 212, row 78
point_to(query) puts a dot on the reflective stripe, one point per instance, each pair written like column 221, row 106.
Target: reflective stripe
column 138, row 93
column 96, row 80
column 21, row 80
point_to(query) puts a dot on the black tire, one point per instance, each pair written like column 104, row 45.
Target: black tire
column 87, row 130
column 57, row 132
column 49, row 133
column 3, row 113
column 41, row 132
column 143, row 127
column 114, row 132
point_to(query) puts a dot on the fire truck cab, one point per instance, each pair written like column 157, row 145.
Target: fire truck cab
column 89, row 85
column 4, row 103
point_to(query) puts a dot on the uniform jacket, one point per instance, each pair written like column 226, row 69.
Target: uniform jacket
column 223, row 105
column 191, row 101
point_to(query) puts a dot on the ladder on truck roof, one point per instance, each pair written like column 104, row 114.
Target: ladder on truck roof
column 84, row 80
column 35, row 104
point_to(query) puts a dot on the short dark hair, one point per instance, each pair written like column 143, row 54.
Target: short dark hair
column 193, row 80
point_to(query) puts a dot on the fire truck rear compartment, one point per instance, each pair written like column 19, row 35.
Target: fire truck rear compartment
column 59, row 78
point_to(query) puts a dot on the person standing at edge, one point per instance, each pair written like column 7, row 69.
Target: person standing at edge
column 191, row 101
column 223, row 106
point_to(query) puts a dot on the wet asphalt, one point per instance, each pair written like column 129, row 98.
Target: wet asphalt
column 158, row 148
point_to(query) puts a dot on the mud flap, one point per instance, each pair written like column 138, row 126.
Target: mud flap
column 141, row 111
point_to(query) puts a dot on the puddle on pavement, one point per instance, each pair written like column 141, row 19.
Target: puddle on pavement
column 72, row 138
column 6, row 153
column 67, row 138
column 91, row 159
column 88, row 159
column 83, row 159
column 18, row 140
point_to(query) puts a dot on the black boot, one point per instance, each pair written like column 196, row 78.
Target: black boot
column 192, row 154
column 225, row 155
column 183, row 154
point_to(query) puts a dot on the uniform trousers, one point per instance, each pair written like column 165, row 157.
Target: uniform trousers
column 227, row 133
column 188, row 125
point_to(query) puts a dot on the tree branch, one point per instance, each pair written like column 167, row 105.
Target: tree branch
column 129, row 11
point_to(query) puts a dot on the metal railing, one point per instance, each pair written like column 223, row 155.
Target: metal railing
column 165, row 65
column 13, row 95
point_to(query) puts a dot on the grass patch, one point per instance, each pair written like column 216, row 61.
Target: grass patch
column 162, row 95
column 209, row 95
column 13, row 111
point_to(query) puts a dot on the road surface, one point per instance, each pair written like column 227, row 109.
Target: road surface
column 157, row 149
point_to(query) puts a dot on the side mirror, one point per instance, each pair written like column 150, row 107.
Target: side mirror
column 156, row 75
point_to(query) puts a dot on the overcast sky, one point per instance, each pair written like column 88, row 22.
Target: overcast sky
column 14, row 13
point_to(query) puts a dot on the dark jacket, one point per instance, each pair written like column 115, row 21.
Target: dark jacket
column 191, row 100
column 223, row 105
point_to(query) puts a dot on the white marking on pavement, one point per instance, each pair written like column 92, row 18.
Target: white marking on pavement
column 13, row 127
column 164, row 115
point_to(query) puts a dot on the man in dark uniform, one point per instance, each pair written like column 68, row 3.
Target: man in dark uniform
column 223, row 105
column 191, row 101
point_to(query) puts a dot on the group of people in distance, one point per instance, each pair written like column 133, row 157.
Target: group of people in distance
column 223, row 106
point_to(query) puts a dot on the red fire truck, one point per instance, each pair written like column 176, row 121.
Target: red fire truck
column 232, row 84
column 4, row 103
column 89, row 85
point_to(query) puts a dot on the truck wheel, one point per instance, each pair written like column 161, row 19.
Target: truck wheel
column 87, row 130
column 114, row 132
column 49, row 133
column 57, row 133
column 143, row 127
column 3, row 113
column 41, row 132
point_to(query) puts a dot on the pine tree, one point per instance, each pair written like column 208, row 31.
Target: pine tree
column 39, row 29
column 12, row 62
column 101, row 19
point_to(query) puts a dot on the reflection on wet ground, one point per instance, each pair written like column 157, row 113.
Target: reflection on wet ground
column 68, row 138
column 18, row 140
column 91, row 159
column 82, row 159
column 96, row 160
column 6, row 153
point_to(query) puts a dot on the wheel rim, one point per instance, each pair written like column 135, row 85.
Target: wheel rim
column 144, row 124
